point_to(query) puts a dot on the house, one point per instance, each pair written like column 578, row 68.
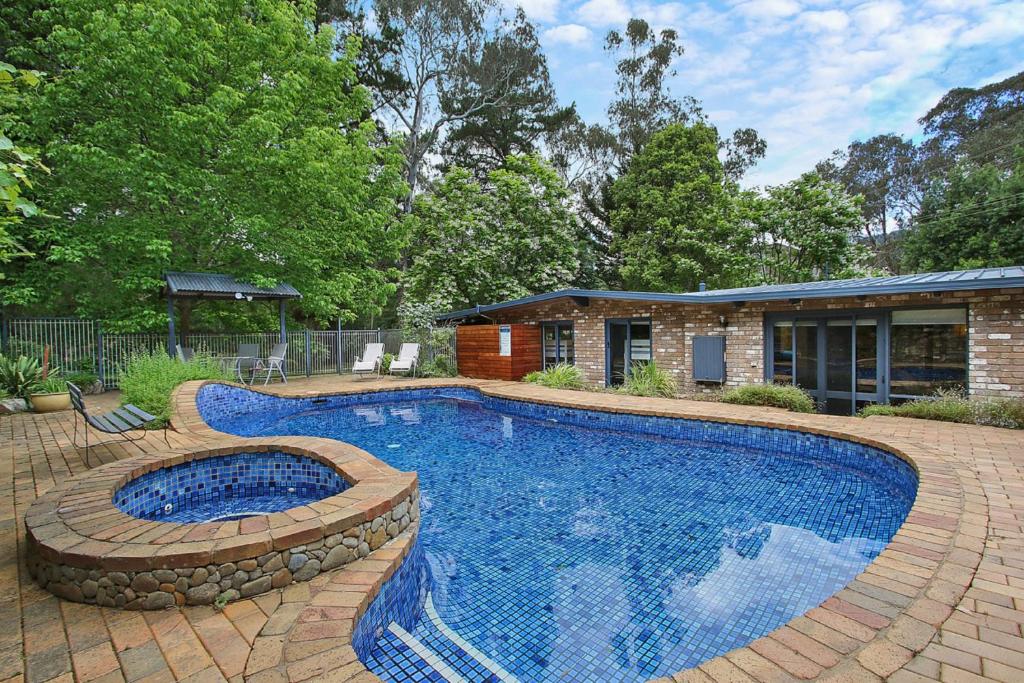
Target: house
column 847, row 342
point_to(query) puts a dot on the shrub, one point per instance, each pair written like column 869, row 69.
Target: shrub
column 647, row 379
column 148, row 379
column 440, row 366
column 775, row 395
column 952, row 406
column 19, row 376
column 560, row 376
column 54, row 384
column 385, row 362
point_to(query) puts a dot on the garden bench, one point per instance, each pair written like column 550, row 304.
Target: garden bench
column 121, row 420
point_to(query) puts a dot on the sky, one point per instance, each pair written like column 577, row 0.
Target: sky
column 810, row 76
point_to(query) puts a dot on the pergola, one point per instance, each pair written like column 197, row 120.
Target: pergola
column 213, row 286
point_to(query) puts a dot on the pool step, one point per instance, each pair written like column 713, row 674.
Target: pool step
column 435, row 652
column 403, row 644
column 457, row 650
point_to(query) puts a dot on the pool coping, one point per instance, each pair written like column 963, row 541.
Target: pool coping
column 872, row 627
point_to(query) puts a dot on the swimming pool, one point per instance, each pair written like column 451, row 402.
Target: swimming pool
column 572, row 545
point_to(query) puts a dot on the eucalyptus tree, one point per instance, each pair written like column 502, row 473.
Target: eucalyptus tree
column 523, row 112
column 886, row 171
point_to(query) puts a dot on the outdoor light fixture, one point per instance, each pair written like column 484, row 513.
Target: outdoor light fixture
column 722, row 320
column 248, row 297
column 238, row 295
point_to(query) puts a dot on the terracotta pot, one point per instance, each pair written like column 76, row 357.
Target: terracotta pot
column 50, row 403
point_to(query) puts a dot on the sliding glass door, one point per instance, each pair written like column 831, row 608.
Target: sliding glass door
column 834, row 359
column 626, row 342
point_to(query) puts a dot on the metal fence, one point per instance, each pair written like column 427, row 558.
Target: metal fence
column 82, row 345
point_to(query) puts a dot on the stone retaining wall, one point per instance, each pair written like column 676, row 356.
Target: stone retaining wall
column 82, row 548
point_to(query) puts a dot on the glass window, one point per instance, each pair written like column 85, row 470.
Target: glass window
column 807, row 355
column 928, row 351
column 839, row 351
column 867, row 356
column 782, row 355
column 557, row 340
column 640, row 342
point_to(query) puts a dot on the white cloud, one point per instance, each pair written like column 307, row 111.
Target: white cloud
column 604, row 13
column 538, row 10
column 874, row 18
column 831, row 21
column 568, row 34
column 768, row 9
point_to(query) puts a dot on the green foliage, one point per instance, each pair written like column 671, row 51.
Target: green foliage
column 673, row 224
column 560, row 376
column 385, row 362
column 975, row 219
column 207, row 135
column 53, row 384
column 776, row 395
column 647, row 379
column 512, row 236
column 438, row 367
column 802, row 230
column 148, row 379
column 951, row 406
column 17, row 162
column 20, row 376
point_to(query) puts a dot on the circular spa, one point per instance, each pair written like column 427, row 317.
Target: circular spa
column 214, row 525
column 559, row 544
column 228, row 487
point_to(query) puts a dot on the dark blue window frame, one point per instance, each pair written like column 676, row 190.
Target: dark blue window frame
column 558, row 325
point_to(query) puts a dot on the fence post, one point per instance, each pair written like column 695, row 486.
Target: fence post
column 337, row 345
column 99, row 355
column 309, row 354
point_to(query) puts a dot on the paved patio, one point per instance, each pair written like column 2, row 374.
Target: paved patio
column 945, row 601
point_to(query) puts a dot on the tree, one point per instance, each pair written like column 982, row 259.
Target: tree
column 439, row 45
column 673, row 224
column 17, row 163
column 981, row 125
column 213, row 136
column 885, row 170
column 479, row 242
column 804, row 230
column 523, row 111
column 973, row 219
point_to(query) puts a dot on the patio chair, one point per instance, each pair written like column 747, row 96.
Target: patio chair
column 247, row 361
column 185, row 353
column 408, row 356
column 121, row 420
column 275, row 361
column 370, row 362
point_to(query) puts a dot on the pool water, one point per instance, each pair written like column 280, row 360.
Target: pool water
column 578, row 546
column 226, row 487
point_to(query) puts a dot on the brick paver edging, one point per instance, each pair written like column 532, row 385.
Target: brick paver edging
column 83, row 548
column 866, row 632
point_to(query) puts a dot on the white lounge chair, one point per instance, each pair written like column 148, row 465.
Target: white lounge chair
column 275, row 361
column 407, row 358
column 370, row 362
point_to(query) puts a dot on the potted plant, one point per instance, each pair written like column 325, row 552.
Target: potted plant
column 51, row 393
column 18, row 378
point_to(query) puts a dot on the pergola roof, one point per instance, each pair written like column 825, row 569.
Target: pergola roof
column 219, row 286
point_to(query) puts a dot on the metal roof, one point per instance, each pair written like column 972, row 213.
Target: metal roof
column 220, row 286
column 980, row 278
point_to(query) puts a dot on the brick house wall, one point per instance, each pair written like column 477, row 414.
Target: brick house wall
column 995, row 336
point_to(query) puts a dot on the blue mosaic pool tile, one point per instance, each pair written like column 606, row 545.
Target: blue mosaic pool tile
column 228, row 487
column 580, row 546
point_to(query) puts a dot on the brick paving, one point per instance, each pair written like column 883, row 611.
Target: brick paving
column 944, row 601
